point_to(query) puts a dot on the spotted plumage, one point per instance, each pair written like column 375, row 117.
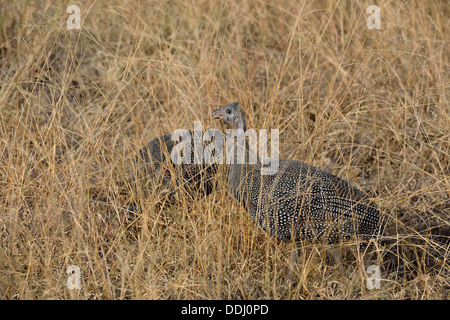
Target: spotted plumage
column 299, row 201
column 156, row 168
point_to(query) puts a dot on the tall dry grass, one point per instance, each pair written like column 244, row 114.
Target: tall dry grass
column 371, row 106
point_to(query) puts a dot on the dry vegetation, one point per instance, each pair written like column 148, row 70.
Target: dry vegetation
column 371, row 106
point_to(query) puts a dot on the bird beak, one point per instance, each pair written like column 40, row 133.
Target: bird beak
column 216, row 114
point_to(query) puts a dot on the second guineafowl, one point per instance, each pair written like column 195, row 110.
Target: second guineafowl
column 155, row 168
column 299, row 201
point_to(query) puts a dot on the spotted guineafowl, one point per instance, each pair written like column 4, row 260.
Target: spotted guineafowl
column 155, row 169
column 299, row 201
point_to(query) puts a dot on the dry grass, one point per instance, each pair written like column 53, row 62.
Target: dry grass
column 371, row 106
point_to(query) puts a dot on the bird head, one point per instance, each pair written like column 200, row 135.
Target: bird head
column 230, row 114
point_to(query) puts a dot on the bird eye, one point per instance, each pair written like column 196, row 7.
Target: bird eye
column 228, row 111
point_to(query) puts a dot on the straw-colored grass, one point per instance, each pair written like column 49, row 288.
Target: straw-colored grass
column 371, row 106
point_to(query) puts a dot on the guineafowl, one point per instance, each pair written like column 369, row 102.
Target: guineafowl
column 155, row 169
column 299, row 201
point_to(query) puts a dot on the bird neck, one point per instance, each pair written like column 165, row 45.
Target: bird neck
column 243, row 155
column 237, row 168
column 240, row 122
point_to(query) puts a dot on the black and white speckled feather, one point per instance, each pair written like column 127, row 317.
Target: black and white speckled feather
column 300, row 201
column 155, row 167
